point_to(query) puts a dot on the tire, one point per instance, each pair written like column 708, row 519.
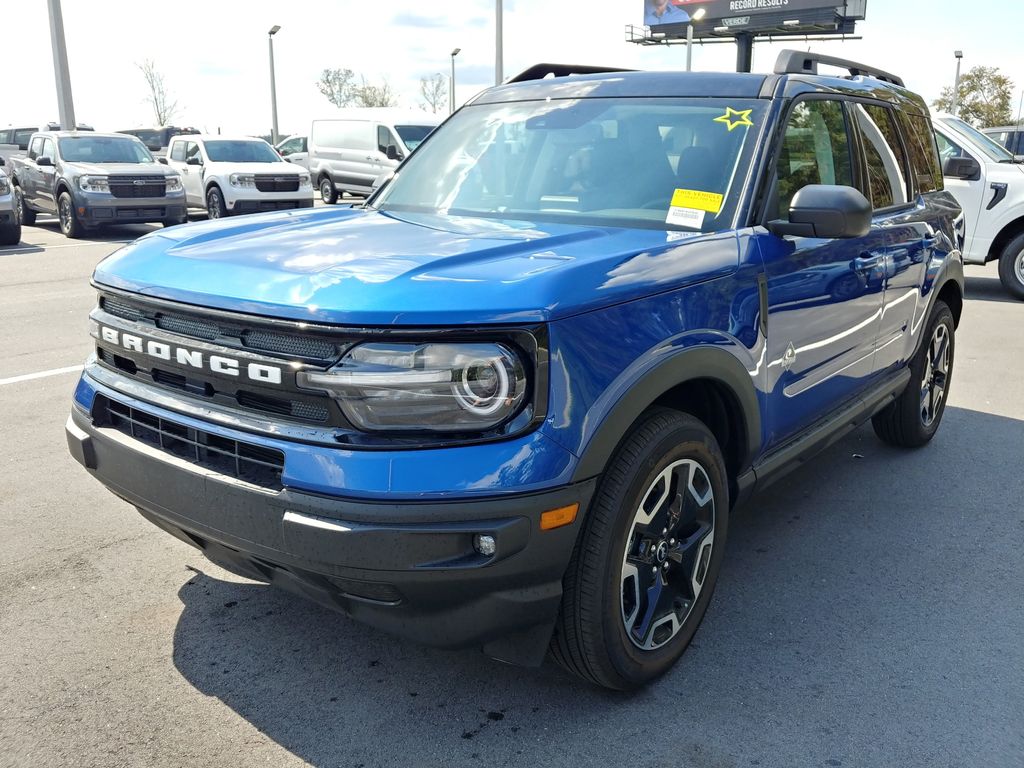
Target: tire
column 68, row 216
column 215, row 207
column 22, row 213
column 328, row 192
column 174, row 222
column 1011, row 267
column 600, row 634
column 10, row 234
column 914, row 418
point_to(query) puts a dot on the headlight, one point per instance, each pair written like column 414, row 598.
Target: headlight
column 304, row 182
column 174, row 183
column 242, row 180
column 5, row 186
column 94, row 183
column 438, row 387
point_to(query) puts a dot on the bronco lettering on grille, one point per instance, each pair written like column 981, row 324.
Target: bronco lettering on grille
column 192, row 358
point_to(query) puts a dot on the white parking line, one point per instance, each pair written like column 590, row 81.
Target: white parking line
column 41, row 374
column 30, row 247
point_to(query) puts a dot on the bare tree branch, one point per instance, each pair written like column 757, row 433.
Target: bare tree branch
column 434, row 92
column 338, row 86
column 163, row 103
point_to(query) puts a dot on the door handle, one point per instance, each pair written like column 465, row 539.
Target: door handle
column 866, row 261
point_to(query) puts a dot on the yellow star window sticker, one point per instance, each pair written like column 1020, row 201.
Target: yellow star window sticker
column 734, row 118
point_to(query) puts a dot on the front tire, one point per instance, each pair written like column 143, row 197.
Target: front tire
column 22, row 213
column 215, row 208
column 68, row 217
column 914, row 418
column 1011, row 267
column 328, row 192
column 10, row 234
column 646, row 563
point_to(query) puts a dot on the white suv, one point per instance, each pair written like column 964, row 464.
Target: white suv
column 228, row 175
column 988, row 182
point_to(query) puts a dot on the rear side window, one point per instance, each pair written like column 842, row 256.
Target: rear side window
column 22, row 136
column 344, row 134
column 924, row 154
column 885, row 160
column 178, row 151
column 815, row 150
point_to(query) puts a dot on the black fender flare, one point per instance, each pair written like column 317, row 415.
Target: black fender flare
column 700, row 362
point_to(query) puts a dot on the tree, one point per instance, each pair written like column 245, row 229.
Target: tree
column 369, row 95
column 164, row 105
column 985, row 97
column 338, row 85
column 434, row 91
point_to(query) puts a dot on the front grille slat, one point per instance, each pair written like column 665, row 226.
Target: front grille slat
column 235, row 458
column 268, row 183
column 138, row 186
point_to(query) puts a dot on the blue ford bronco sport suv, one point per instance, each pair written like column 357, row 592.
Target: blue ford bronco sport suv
column 511, row 400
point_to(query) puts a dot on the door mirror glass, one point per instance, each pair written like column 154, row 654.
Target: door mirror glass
column 826, row 211
column 966, row 168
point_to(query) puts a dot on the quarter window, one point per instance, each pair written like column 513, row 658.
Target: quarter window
column 885, row 160
column 815, row 150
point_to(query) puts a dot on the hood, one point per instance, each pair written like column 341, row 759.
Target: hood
column 364, row 267
column 120, row 169
column 278, row 169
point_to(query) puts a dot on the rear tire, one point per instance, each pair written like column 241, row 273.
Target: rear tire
column 914, row 418
column 22, row 213
column 1011, row 267
column 328, row 192
column 646, row 562
column 10, row 234
column 68, row 216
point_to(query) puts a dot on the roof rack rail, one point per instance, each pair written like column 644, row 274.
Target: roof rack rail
column 540, row 71
column 805, row 63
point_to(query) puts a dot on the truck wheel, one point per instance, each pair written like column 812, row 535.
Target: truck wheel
column 69, row 223
column 215, row 208
column 328, row 193
column 646, row 562
column 174, row 222
column 10, row 234
column 914, row 418
column 1011, row 267
column 22, row 213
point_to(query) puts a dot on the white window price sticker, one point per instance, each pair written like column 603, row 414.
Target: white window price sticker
column 685, row 217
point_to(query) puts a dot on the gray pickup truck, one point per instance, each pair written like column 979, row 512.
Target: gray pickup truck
column 93, row 179
column 10, row 224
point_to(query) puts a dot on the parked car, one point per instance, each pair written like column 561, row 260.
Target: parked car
column 349, row 152
column 294, row 150
column 93, row 179
column 10, row 224
column 988, row 182
column 226, row 175
column 511, row 402
column 157, row 139
column 1010, row 136
column 14, row 141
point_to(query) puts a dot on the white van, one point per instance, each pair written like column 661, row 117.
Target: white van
column 988, row 182
column 349, row 152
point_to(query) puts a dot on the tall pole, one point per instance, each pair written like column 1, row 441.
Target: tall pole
column 499, row 45
column 689, row 46
column 956, row 84
column 273, row 85
column 451, row 83
column 65, row 102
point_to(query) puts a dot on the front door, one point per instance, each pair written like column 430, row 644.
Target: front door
column 970, row 193
column 47, row 178
column 192, row 175
column 824, row 296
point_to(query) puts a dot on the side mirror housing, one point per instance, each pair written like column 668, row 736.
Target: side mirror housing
column 826, row 211
column 44, row 161
column 2, row 162
column 393, row 153
column 162, row 160
column 194, row 161
column 966, row 168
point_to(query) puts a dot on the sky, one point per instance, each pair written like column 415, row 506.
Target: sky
column 213, row 53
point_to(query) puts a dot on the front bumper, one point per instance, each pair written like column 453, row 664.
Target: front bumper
column 95, row 209
column 270, row 203
column 405, row 566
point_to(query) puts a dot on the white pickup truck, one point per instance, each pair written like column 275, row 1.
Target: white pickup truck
column 988, row 182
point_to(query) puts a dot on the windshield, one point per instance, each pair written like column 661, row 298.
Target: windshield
column 653, row 163
column 153, row 139
column 103, row 149
column 226, row 151
column 986, row 144
column 413, row 135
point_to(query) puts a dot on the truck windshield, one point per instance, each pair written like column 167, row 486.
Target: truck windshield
column 413, row 135
column 228, row 151
column 993, row 149
column 103, row 149
column 654, row 163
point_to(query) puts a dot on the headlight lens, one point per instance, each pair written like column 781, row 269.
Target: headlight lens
column 304, row 182
column 246, row 180
column 435, row 387
column 5, row 186
column 94, row 183
column 174, row 183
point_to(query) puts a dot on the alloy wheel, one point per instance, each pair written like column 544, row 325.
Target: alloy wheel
column 65, row 215
column 936, row 375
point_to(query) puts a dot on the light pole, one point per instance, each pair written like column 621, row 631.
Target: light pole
column 697, row 16
column 499, row 63
column 451, row 83
column 65, row 103
column 956, row 84
column 273, row 83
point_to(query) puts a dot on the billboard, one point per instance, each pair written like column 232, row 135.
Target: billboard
column 741, row 13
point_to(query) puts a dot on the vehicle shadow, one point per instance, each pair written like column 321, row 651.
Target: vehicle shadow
column 842, row 609
column 20, row 249
column 116, row 233
column 987, row 289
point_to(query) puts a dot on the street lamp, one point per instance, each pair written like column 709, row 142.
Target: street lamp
column 956, row 84
column 697, row 16
column 273, row 83
column 499, row 44
column 451, row 83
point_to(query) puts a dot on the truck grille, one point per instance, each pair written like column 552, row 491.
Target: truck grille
column 138, row 186
column 234, row 458
column 268, row 183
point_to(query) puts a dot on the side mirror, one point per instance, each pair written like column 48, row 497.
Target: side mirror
column 966, row 168
column 393, row 153
column 195, row 160
column 44, row 161
column 827, row 211
column 162, row 160
column 2, row 162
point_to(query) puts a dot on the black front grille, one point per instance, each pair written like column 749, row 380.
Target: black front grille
column 266, row 183
column 138, row 186
column 244, row 461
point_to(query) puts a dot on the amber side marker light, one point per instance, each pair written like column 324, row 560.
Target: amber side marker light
column 556, row 518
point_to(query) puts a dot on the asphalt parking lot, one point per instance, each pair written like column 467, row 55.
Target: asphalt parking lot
column 870, row 611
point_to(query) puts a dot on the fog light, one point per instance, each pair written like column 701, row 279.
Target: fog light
column 484, row 544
